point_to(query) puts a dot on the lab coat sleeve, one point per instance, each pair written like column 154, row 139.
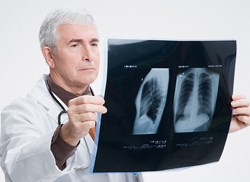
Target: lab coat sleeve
column 25, row 143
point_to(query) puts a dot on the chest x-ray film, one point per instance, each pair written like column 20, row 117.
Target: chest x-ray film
column 168, row 104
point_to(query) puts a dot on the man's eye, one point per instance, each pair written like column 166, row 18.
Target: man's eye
column 74, row 45
column 94, row 44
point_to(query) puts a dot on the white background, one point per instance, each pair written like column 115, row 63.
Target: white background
column 22, row 63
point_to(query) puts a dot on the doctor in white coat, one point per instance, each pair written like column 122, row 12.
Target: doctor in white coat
column 38, row 144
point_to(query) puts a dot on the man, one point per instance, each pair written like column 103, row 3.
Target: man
column 34, row 147
column 38, row 143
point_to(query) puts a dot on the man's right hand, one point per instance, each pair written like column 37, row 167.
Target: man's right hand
column 82, row 114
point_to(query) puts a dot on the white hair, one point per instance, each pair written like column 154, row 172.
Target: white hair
column 49, row 35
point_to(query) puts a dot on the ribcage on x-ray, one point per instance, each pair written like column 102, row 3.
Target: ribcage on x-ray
column 150, row 101
column 186, row 91
column 151, row 97
column 195, row 97
column 205, row 94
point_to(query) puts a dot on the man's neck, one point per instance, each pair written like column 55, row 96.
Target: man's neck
column 63, row 94
column 70, row 88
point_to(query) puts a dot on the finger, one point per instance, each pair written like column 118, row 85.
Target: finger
column 240, row 103
column 89, row 116
column 88, row 124
column 85, row 126
column 87, row 99
column 238, row 96
column 244, row 119
column 241, row 111
column 87, row 108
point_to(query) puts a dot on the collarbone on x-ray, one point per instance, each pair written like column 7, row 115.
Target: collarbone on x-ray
column 195, row 99
column 150, row 101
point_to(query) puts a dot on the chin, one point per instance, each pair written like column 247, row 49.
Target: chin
column 88, row 81
column 87, row 78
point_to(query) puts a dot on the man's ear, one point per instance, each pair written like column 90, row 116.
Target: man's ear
column 48, row 55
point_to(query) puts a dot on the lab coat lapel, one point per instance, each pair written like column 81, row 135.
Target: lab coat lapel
column 41, row 93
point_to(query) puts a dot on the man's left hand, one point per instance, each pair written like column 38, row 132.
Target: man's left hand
column 241, row 113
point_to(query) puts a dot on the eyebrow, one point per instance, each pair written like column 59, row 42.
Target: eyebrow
column 81, row 40
column 75, row 40
column 95, row 40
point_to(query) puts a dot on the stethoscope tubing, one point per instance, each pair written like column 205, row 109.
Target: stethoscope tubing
column 58, row 102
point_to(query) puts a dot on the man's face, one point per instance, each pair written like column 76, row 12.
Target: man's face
column 76, row 55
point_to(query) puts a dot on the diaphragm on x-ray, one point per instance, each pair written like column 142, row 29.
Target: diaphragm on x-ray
column 168, row 104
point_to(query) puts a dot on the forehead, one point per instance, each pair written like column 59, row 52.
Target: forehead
column 75, row 31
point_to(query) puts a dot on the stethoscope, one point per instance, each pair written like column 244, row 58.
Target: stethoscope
column 58, row 102
column 59, row 121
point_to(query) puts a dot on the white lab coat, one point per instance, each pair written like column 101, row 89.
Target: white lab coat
column 28, row 125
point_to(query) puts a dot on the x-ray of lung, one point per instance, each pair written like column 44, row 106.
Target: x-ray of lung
column 195, row 99
column 150, row 101
column 168, row 104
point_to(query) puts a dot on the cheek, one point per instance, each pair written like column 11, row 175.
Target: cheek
column 97, row 62
column 66, row 67
column 98, row 65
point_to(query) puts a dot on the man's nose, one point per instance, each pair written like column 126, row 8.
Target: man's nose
column 87, row 53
